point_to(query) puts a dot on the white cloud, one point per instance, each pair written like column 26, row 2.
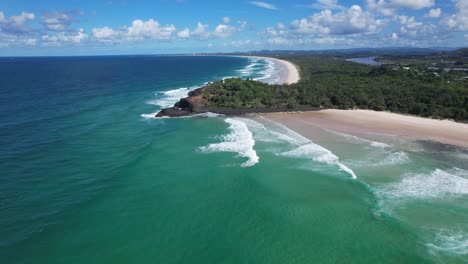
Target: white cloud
column 264, row 5
column 104, row 34
column 150, row 29
column 324, row 4
column 184, row 34
column 279, row 41
column 459, row 20
column 226, row 20
column 242, row 24
column 242, row 43
column 434, row 13
column 351, row 21
column 200, row 31
column 224, row 31
column 389, row 7
column 394, row 36
column 413, row 29
column 16, row 24
column 278, row 31
column 64, row 38
column 56, row 21
column 138, row 31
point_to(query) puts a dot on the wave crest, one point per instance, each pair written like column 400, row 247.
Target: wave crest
column 240, row 140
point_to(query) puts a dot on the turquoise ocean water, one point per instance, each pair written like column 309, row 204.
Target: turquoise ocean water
column 89, row 176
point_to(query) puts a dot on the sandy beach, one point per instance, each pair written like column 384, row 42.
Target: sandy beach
column 358, row 122
column 291, row 72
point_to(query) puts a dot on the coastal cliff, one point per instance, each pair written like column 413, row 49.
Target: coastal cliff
column 190, row 105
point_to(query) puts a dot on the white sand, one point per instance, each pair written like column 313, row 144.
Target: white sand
column 292, row 71
column 367, row 121
column 292, row 74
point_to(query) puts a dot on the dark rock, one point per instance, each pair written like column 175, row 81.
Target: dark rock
column 173, row 112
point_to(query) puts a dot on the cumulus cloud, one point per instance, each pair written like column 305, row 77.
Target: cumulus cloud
column 184, row 34
column 279, row 30
column 280, row 41
column 201, row 31
column 413, row 29
column 226, row 20
column 137, row 31
column 389, row 7
column 459, row 20
column 351, row 21
column 264, row 5
column 150, row 29
column 57, row 21
column 104, row 34
column 220, row 31
column 64, row 38
column 224, row 31
column 434, row 13
column 16, row 24
column 242, row 43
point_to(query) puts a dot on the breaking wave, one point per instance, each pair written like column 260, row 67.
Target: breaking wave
column 239, row 140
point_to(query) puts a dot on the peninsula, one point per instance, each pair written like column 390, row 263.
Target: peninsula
column 331, row 82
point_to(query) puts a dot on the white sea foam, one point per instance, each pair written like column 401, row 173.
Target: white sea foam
column 207, row 114
column 239, row 140
column 395, row 158
column 169, row 98
column 261, row 133
column 436, row 184
column 354, row 139
column 302, row 147
column 150, row 115
column 319, row 154
column 271, row 69
column 455, row 242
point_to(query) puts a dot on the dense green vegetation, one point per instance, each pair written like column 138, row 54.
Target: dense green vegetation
column 332, row 82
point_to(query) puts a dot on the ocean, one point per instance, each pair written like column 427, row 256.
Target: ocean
column 88, row 175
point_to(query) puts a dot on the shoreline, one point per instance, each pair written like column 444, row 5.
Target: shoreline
column 359, row 122
column 291, row 74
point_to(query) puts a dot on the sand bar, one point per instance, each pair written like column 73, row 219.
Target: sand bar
column 357, row 122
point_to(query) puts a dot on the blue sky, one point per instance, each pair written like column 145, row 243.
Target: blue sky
column 89, row 27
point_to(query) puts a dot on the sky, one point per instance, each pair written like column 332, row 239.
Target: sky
column 95, row 27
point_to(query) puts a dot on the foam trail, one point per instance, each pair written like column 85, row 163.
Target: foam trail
column 150, row 115
column 268, row 72
column 169, row 98
column 240, row 140
column 354, row 139
column 450, row 241
column 394, row 158
column 319, row 154
column 436, row 184
column 304, row 147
